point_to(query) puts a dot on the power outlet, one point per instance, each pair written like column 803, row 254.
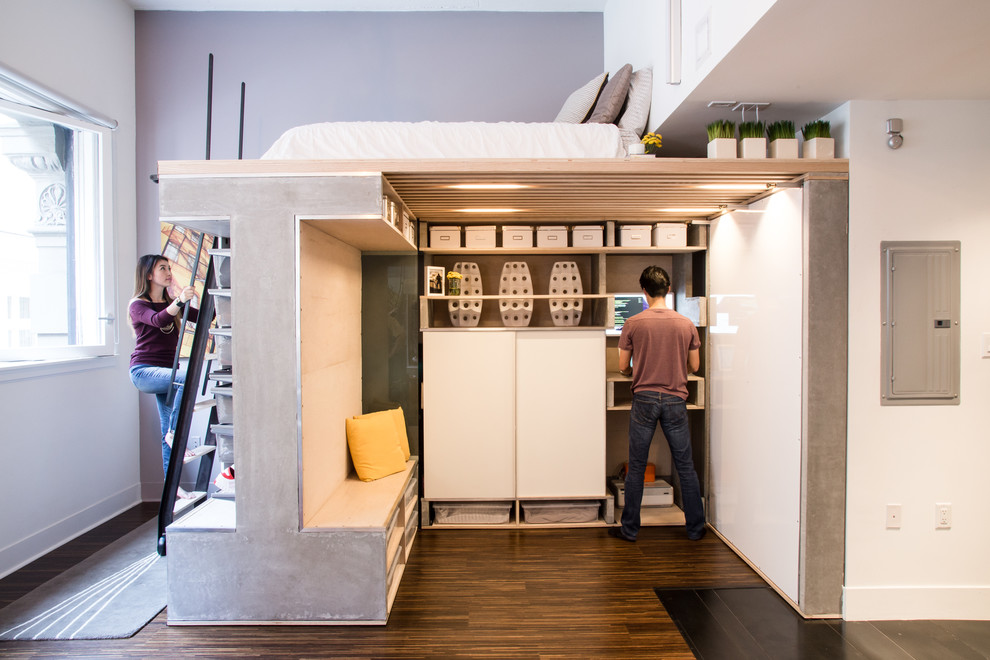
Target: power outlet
column 893, row 516
column 943, row 515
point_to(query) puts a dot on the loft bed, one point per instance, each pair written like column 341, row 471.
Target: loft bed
column 299, row 216
column 598, row 120
column 287, row 218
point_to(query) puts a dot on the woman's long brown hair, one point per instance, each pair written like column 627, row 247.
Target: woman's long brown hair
column 142, row 280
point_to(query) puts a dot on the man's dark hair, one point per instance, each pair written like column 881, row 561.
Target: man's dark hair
column 655, row 281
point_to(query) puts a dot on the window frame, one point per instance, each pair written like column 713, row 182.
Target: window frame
column 104, row 230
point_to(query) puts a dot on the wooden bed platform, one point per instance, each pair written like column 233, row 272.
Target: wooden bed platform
column 553, row 188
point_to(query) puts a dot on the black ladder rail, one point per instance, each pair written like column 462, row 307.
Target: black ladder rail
column 170, row 397
column 183, row 421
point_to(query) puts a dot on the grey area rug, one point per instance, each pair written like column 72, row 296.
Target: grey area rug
column 111, row 594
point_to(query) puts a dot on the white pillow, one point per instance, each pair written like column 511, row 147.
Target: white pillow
column 632, row 123
column 579, row 103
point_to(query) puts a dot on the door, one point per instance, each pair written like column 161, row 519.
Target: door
column 560, row 413
column 468, row 414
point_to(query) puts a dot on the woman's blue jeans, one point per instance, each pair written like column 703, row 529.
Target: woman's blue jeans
column 155, row 380
column 649, row 409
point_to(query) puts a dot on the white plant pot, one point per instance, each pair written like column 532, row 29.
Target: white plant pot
column 784, row 148
column 722, row 148
column 753, row 148
column 819, row 148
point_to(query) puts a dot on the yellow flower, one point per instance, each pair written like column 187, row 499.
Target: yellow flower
column 653, row 142
column 453, row 275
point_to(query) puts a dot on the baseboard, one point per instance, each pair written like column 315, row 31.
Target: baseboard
column 26, row 550
column 909, row 603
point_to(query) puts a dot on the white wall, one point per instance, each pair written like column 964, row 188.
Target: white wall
column 623, row 36
column 69, row 443
column 933, row 188
column 709, row 30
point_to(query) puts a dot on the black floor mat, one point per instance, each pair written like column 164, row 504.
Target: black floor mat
column 750, row 622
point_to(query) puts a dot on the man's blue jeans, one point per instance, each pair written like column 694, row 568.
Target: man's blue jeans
column 155, row 380
column 648, row 409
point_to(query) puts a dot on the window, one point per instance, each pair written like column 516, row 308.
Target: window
column 56, row 267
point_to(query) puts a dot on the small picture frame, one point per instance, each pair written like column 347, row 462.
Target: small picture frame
column 436, row 282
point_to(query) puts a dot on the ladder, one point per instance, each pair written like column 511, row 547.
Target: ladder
column 187, row 407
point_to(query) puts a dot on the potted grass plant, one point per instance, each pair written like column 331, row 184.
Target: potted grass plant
column 783, row 139
column 722, row 139
column 752, row 140
column 818, row 142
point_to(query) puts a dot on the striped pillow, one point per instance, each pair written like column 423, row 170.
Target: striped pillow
column 632, row 123
column 613, row 95
column 579, row 103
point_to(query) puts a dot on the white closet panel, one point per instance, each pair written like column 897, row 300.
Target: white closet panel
column 755, row 325
column 468, row 420
column 560, row 413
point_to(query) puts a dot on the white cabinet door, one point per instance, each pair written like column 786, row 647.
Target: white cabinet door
column 560, row 414
column 468, row 415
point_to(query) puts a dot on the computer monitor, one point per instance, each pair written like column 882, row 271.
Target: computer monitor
column 627, row 305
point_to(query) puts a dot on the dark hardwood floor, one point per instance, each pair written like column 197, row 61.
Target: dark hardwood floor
column 466, row 593
column 541, row 594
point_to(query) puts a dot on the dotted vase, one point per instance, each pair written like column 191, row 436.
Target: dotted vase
column 466, row 313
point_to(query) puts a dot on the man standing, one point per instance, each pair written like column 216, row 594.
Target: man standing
column 659, row 348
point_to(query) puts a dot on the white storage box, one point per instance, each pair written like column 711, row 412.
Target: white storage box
column 634, row 236
column 482, row 236
column 655, row 493
column 517, row 236
column 221, row 267
column 445, row 237
column 670, row 234
column 224, row 434
column 560, row 512
column 222, row 338
column 221, row 303
column 586, row 236
column 224, row 395
column 551, row 237
column 485, row 513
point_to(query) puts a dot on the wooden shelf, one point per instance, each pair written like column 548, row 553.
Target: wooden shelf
column 628, row 406
column 363, row 504
column 565, row 251
column 541, row 296
column 368, row 233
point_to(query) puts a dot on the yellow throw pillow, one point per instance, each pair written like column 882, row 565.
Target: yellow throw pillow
column 400, row 429
column 374, row 448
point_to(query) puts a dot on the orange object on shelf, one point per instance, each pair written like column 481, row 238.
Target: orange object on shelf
column 648, row 477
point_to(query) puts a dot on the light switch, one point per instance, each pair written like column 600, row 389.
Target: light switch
column 985, row 347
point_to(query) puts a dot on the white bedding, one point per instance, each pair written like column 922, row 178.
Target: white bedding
column 358, row 140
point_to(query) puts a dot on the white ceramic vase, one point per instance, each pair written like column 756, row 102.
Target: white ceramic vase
column 722, row 148
column 753, row 148
column 784, row 148
column 819, row 148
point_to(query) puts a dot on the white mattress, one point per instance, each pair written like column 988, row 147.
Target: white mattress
column 358, row 140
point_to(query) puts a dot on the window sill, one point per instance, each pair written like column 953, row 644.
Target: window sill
column 27, row 369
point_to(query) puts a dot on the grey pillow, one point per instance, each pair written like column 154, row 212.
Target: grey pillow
column 578, row 105
column 612, row 97
column 637, row 110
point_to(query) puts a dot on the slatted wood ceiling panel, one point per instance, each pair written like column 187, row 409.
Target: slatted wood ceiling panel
column 556, row 189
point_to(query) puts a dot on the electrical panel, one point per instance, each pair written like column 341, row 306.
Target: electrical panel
column 920, row 322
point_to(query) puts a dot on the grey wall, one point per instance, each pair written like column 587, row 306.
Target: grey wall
column 304, row 67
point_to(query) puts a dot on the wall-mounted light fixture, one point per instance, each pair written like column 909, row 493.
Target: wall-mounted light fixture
column 894, row 128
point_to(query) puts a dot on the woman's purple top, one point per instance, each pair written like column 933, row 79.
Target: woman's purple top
column 154, row 347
